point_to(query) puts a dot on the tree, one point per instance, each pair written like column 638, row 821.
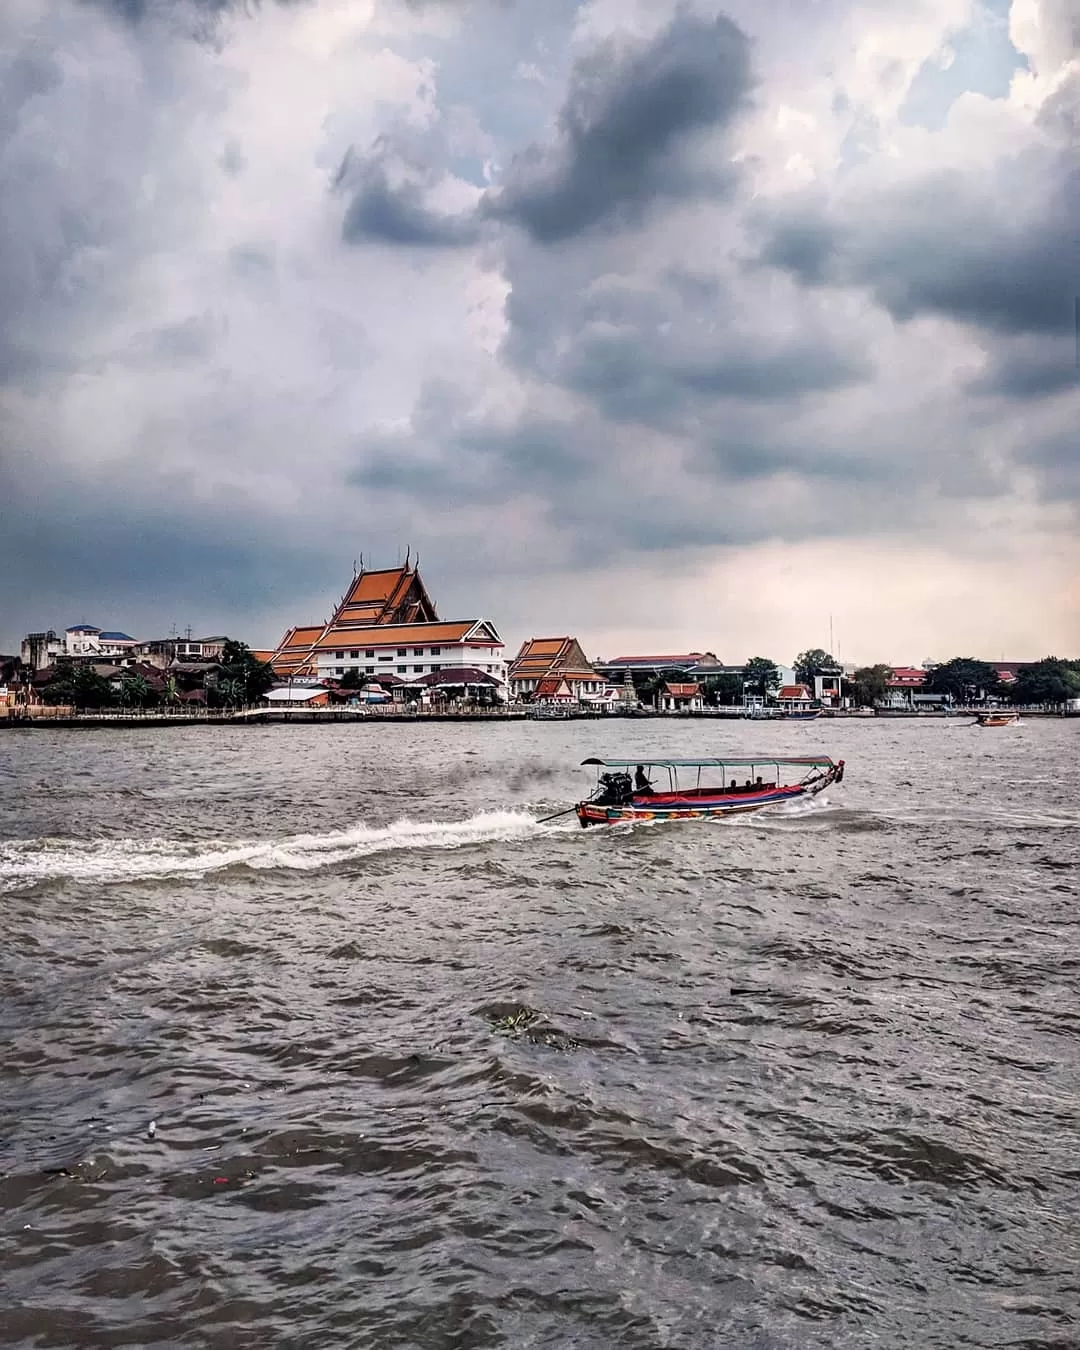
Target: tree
column 252, row 676
column 761, row 676
column 724, row 689
column 869, row 685
column 353, row 679
column 136, row 691
column 816, row 661
column 231, row 691
column 963, row 679
column 1050, row 680
column 80, row 686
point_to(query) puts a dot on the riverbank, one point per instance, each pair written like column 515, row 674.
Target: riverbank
column 322, row 716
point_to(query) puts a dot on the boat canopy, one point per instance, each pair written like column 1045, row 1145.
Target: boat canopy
column 807, row 761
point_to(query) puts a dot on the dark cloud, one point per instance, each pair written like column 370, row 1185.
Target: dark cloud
column 632, row 375
column 140, row 11
column 379, row 213
column 145, row 559
column 1003, row 256
column 627, row 114
column 1029, row 367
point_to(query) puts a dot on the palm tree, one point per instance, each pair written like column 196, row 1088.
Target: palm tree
column 232, row 691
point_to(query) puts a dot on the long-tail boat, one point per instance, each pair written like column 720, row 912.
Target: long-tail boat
column 997, row 719
column 624, row 791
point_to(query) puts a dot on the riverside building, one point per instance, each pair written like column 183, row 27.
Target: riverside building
column 386, row 625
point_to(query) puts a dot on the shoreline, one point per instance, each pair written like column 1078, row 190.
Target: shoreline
column 310, row 717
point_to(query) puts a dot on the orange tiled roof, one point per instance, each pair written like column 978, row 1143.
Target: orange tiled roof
column 683, row 690
column 542, row 657
column 262, row 656
column 299, row 637
column 550, row 688
column 794, row 691
column 389, row 635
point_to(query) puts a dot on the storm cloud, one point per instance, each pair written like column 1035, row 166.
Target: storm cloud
column 624, row 127
column 604, row 308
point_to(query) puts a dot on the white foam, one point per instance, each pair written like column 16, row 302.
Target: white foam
column 24, row 862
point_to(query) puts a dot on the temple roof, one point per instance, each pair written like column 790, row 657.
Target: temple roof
column 540, row 658
column 387, row 635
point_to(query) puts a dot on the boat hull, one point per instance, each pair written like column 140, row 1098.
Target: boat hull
column 801, row 716
column 1003, row 721
column 676, row 806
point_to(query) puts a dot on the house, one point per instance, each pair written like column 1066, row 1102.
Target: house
column 298, row 696
column 386, row 623
column 795, row 698
column 554, row 689
column 164, row 652
column 80, row 642
column 829, row 688
column 680, row 697
column 906, row 688
column 540, row 660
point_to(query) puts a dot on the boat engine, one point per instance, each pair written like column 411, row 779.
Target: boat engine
column 614, row 789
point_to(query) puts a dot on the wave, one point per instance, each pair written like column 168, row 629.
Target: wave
column 27, row 862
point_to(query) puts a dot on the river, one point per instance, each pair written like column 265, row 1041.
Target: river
column 313, row 1037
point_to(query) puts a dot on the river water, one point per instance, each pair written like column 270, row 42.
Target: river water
column 424, row 1073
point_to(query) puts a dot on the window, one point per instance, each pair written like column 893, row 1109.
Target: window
column 339, row 671
column 436, row 651
column 418, row 670
column 369, row 670
column 369, row 655
column 385, row 656
column 354, row 656
column 418, row 651
column 401, row 651
column 402, row 669
column 436, row 667
column 339, row 656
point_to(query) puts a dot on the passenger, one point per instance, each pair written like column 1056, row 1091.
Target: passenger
column 642, row 785
column 733, row 786
column 759, row 786
column 747, row 786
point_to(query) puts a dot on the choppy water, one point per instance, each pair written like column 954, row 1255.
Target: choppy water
column 425, row 1073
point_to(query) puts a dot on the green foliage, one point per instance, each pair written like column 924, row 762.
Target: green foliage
column 869, row 685
column 722, row 690
column 245, row 678
column 816, row 661
column 762, row 676
column 79, row 686
column 353, row 679
column 136, row 691
column 1050, row 680
column 963, row 679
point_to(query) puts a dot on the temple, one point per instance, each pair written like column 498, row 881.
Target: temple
column 386, row 624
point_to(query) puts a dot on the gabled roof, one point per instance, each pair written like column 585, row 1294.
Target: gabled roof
column 380, row 598
column 555, row 687
column 682, row 690
column 115, row 637
column 539, row 658
column 794, row 691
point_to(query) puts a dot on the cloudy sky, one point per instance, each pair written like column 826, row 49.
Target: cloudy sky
column 668, row 325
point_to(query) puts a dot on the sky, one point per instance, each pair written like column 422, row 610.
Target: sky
column 673, row 326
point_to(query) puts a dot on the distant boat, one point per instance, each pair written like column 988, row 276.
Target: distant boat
column 810, row 715
column 997, row 719
column 616, row 800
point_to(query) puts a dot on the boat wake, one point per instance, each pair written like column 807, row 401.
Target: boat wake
column 27, row 862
